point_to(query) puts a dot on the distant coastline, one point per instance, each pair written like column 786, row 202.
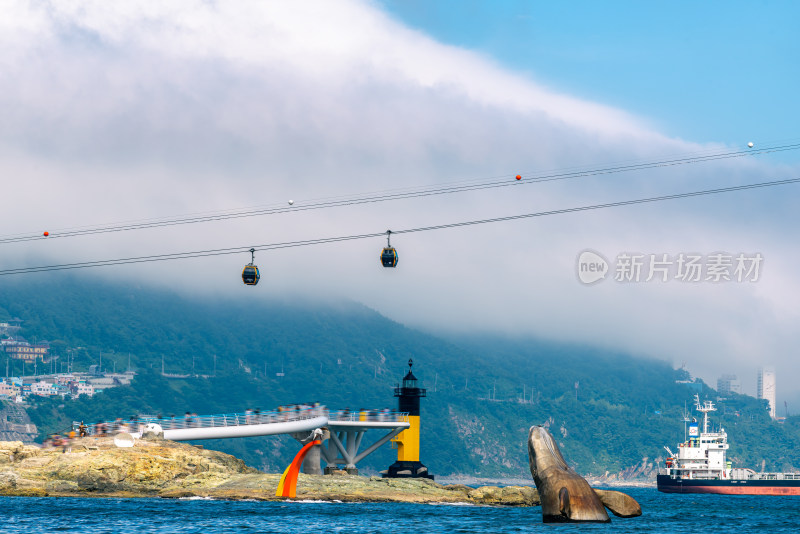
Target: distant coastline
column 519, row 481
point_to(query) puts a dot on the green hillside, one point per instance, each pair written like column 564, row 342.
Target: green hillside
column 343, row 354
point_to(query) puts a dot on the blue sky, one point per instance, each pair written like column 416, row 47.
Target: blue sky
column 701, row 71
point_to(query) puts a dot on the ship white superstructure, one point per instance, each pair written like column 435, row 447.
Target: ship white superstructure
column 703, row 455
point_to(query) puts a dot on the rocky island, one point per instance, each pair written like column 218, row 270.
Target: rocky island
column 95, row 467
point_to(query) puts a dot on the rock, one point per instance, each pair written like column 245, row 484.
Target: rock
column 29, row 451
column 167, row 469
column 61, row 486
column 620, row 504
column 458, row 487
column 8, row 480
column 95, row 465
column 12, row 446
column 505, row 496
column 33, row 462
column 564, row 494
column 338, row 472
column 177, row 494
column 25, row 492
column 14, row 451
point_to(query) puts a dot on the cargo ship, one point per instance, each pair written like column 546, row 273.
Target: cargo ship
column 701, row 466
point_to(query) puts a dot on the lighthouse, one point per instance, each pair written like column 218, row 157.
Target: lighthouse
column 407, row 442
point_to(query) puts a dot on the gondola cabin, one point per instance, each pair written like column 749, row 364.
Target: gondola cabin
column 250, row 275
column 389, row 257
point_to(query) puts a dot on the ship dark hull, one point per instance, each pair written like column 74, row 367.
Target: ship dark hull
column 668, row 484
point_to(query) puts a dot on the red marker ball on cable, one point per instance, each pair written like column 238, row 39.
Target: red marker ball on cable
column 519, row 177
column 46, row 234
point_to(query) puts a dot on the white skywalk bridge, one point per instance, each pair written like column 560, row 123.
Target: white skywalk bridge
column 345, row 429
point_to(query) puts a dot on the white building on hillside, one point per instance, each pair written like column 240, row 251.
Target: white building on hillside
column 43, row 389
column 82, row 388
column 766, row 388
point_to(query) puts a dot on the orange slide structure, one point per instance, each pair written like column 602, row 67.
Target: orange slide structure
column 287, row 487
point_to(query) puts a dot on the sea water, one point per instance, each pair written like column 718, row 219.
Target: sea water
column 661, row 513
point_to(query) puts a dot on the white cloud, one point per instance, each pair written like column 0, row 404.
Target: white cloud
column 119, row 111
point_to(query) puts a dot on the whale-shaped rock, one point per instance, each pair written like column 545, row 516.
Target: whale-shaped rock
column 565, row 495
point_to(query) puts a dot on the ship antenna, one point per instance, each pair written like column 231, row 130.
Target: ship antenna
column 707, row 406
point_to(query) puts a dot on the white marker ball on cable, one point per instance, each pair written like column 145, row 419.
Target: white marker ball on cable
column 291, row 202
column 750, row 144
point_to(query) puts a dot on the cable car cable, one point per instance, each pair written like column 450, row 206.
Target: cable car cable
column 456, row 187
column 307, row 242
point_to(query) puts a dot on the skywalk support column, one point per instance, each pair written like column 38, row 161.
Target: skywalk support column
column 311, row 462
column 408, row 464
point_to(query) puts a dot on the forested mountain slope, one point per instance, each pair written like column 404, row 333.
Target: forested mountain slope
column 343, row 354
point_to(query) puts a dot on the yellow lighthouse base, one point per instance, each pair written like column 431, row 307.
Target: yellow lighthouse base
column 408, row 464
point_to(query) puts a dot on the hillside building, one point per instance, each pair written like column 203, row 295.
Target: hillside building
column 19, row 349
column 10, row 327
column 766, row 388
column 727, row 384
column 43, row 389
column 82, row 388
column 8, row 390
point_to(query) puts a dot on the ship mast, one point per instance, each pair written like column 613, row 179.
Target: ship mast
column 687, row 416
column 706, row 407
